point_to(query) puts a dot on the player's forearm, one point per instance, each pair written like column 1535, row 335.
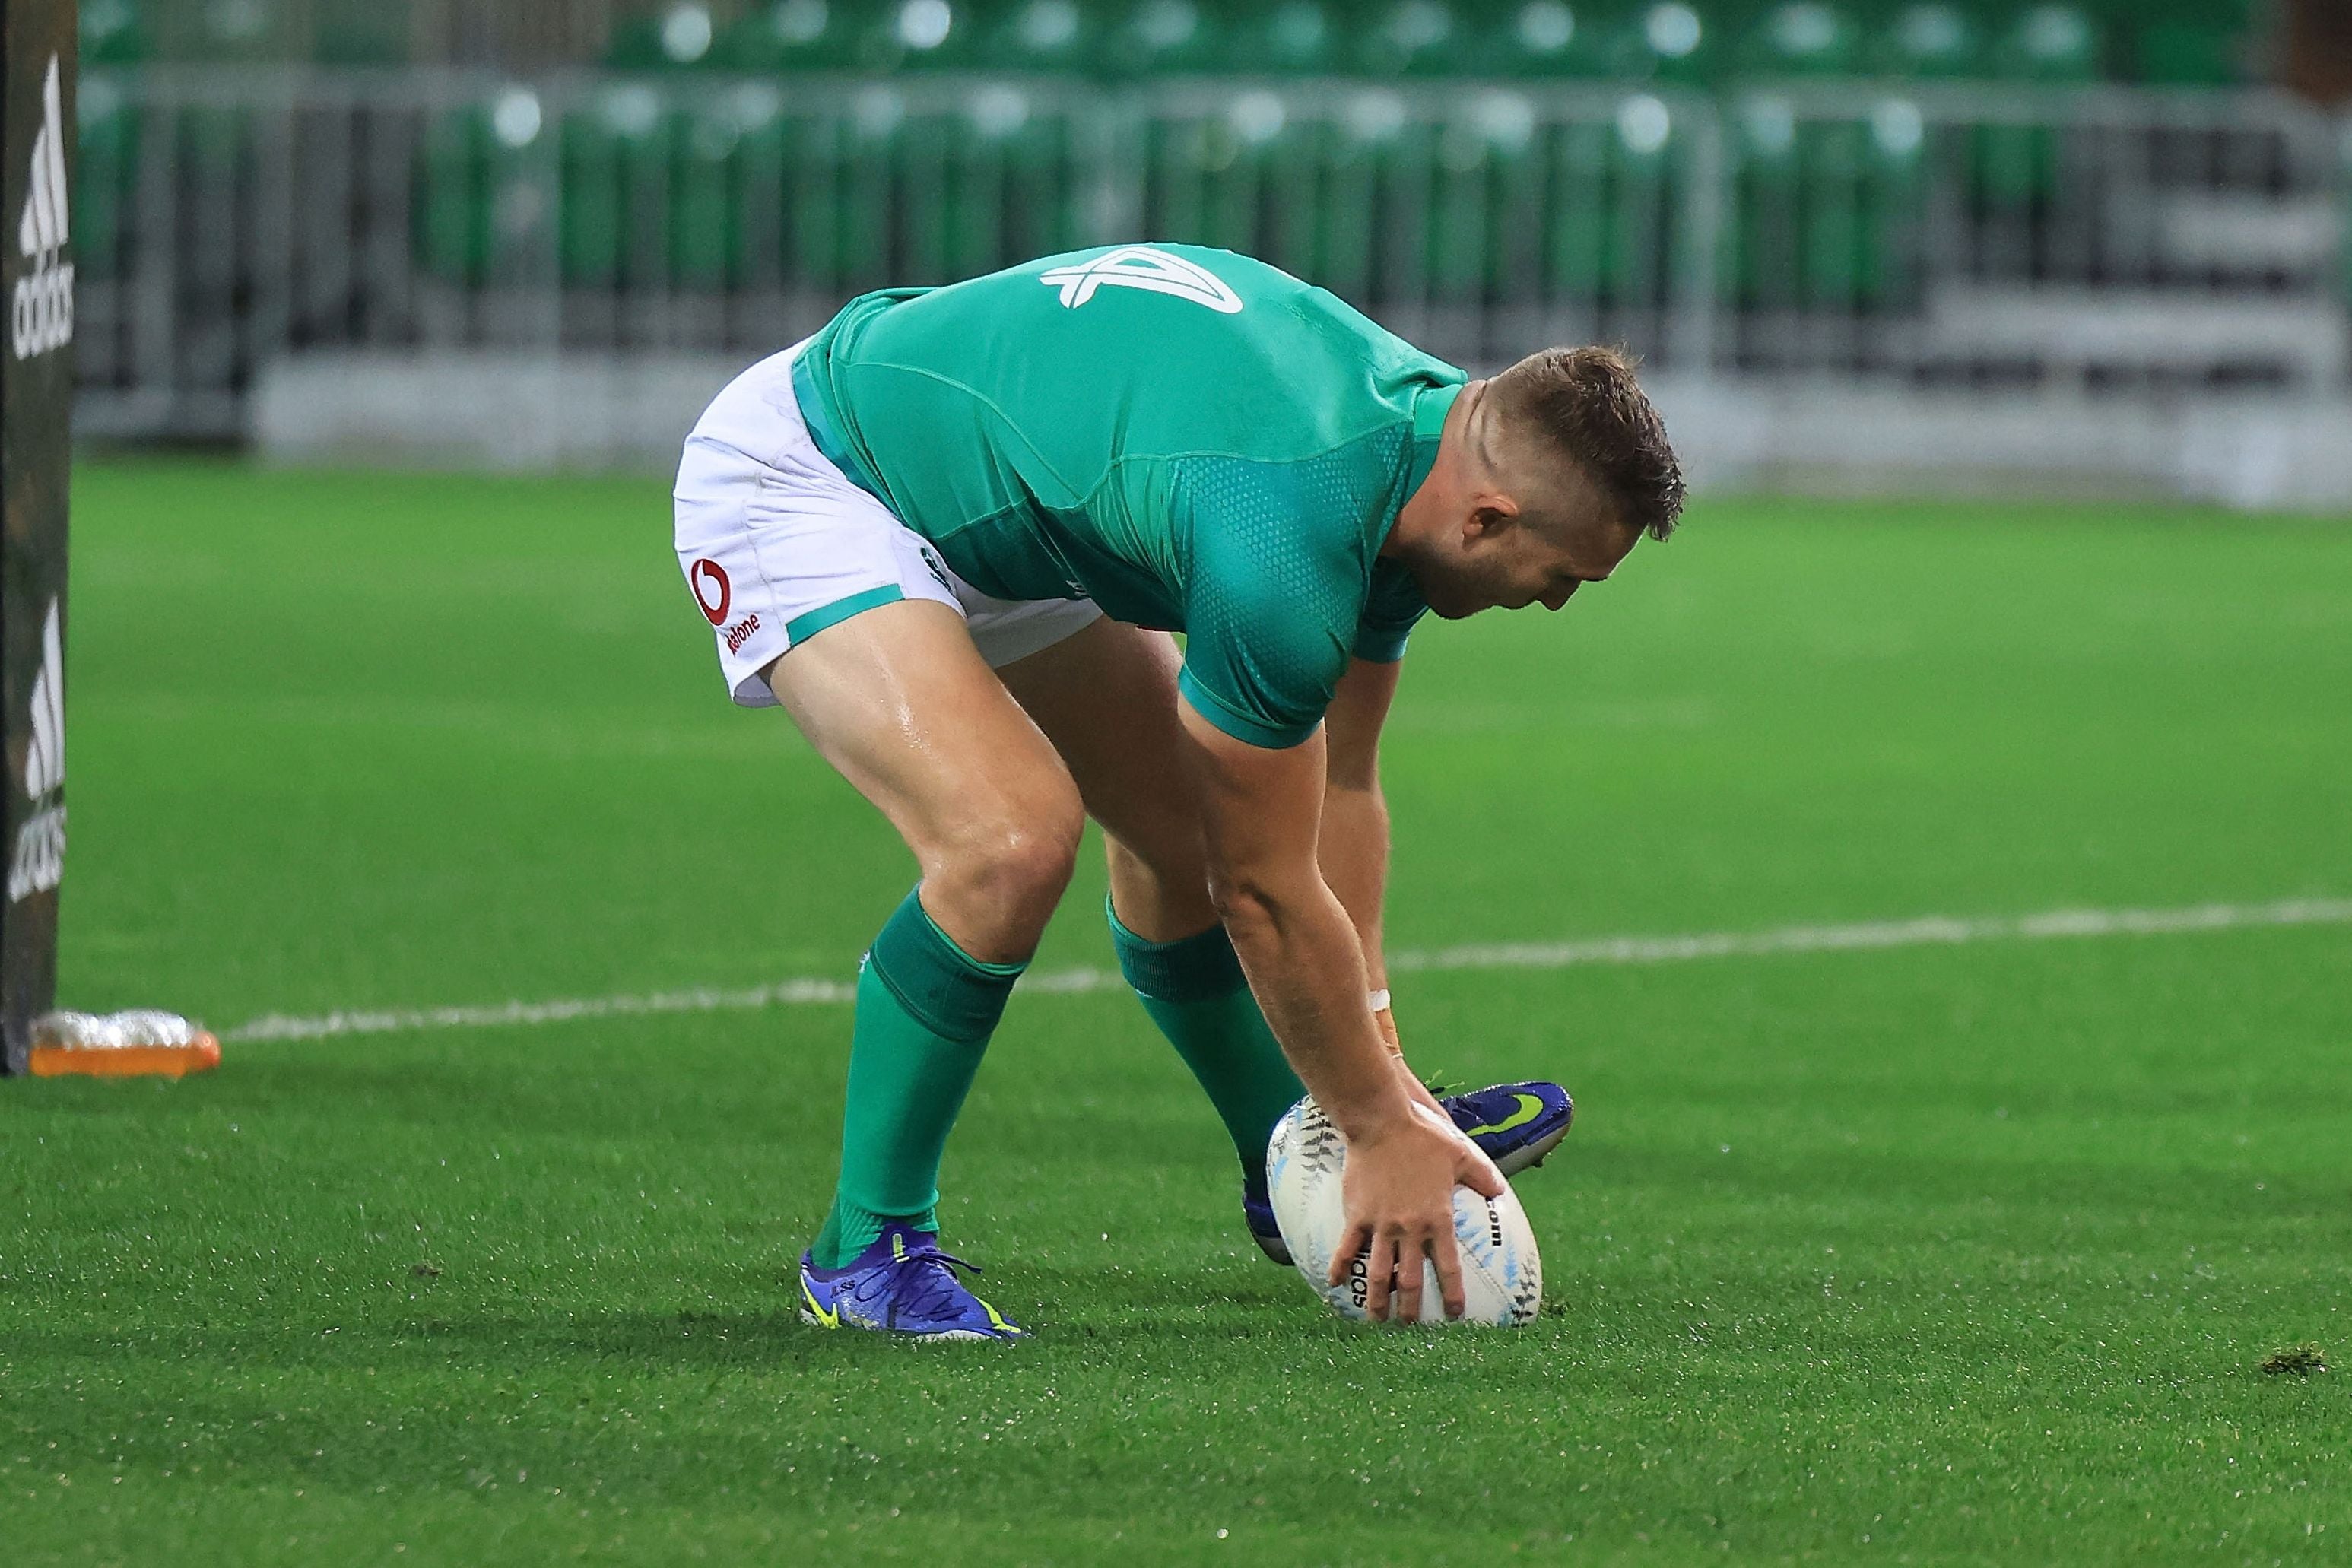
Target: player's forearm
column 1305, row 964
column 1354, row 852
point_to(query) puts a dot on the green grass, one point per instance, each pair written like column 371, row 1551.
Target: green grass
column 1967, row 1254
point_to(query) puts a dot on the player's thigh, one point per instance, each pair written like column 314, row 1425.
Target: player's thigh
column 898, row 701
column 1105, row 698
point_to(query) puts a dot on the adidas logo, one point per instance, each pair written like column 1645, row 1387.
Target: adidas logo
column 1141, row 266
column 39, row 863
column 42, row 317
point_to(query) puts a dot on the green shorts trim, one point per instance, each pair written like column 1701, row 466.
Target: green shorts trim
column 807, row 624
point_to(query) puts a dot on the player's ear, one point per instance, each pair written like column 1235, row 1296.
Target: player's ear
column 1491, row 513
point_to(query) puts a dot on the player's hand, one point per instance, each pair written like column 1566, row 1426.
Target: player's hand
column 1398, row 1194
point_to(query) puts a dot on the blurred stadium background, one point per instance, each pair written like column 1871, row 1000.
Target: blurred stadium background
column 2084, row 246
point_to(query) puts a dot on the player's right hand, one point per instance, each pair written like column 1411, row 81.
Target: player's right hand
column 1399, row 1195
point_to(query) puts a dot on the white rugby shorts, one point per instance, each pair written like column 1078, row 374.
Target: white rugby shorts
column 777, row 544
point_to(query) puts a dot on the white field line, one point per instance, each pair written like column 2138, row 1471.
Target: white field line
column 1927, row 931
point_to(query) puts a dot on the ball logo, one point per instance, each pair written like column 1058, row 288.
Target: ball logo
column 711, row 590
column 1140, row 266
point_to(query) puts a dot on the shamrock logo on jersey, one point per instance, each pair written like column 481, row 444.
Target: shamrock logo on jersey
column 1140, row 266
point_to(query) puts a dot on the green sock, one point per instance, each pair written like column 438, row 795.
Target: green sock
column 925, row 1010
column 1195, row 990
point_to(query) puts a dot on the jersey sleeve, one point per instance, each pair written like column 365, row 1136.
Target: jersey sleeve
column 1275, row 590
column 1389, row 612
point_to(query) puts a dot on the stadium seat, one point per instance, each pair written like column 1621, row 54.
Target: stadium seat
column 105, row 169
column 2050, row 43
column 112, row 32
column 1928, row 42
column 1489, row 158
column 357, row 37
column 1602, row 243
column 614, row 227
column 679, row 36
column 1163, row 38
column 2016, row 165
column 1824, row 205
column 1800, row 37
column 457, row 157
column 1668, row 40
column 1058, row 38
column 239, row 30
column 922, row 35
column 705, row 201
column 2190, row 54
column 1538, row 38
column 1291, row 37
column 1253, row 176
column 793, row 36
column 1411, row 37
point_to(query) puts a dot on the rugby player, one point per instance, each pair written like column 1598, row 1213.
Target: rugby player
column 950, row 535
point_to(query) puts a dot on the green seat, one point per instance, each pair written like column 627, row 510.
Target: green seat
column 1826, row 210
column 1163, row 38
column 679, row 36
column 793, row 36
column 1353, row 155
column 1058, row 38
column 112, row 32
column 2192, row 54
column 1605, row 241
column 1932, row 42
column 984, row 185
column 1490, row 160
column 1800, row 37
column 1413, row 39
column 612, row 232
column 1210, row 178
column 1540, row 38
column 1764, row 240
column 239, row 30
column 357, row 36
column 1666, row 41
column 105, row 173
column 922, row 35
column 1291, row 37
column 2050, row 43
column 2016, row 165
column 714, row 143
column 2191, row 43
column 464, row 158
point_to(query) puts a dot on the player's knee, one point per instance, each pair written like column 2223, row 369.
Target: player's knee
column 1016, row 855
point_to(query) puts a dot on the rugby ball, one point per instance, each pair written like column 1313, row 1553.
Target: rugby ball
column 1502, row 1273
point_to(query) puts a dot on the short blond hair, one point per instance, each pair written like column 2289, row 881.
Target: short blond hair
column 1585, row 406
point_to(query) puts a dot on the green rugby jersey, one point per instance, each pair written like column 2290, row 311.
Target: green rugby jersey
column 1196, row 440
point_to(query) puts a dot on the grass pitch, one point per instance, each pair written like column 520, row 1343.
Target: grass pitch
column 1933, row 1254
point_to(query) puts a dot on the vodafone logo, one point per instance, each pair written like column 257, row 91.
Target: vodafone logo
column 711, row 590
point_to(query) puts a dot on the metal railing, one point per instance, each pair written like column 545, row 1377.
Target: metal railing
column 2104, row 238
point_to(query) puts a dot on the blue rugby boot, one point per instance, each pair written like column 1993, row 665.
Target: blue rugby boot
column 903, row 1284
column 1517, row 1124
column 1257, row 1213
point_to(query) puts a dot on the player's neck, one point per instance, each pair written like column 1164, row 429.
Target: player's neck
column 1425, row 511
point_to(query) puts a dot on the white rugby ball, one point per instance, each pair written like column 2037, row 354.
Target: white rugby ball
column 1502, row 1273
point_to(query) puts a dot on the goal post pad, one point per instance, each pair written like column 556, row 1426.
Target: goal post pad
column 36, row 385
